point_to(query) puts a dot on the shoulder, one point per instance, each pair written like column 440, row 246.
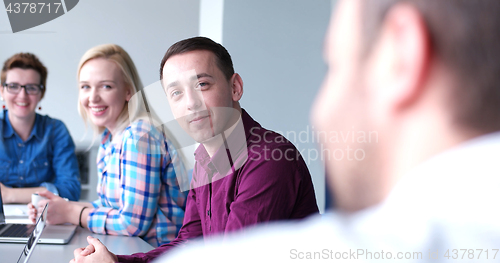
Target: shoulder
column 262, row 136
column 265, row 143
column 141, row 130
column 46, row 124
column 48, row 121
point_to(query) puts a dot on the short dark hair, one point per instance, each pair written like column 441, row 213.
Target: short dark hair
column 222, row 57
column 465, row 36
column 25, row 61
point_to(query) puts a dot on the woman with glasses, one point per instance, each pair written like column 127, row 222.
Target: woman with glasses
column 138, row 190
column 36, row 152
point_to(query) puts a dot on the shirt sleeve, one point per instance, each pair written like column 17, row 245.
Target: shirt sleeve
column 51, row 187
column 190, row 229
column 271, row 189
column 140, row 183
column 65, row 164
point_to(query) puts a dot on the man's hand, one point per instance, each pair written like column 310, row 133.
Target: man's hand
column 94, row 252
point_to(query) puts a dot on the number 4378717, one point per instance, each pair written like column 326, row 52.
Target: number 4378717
column 32, row 7
column 471, row 253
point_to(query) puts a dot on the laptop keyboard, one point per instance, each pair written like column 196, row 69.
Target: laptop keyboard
column 18, row 230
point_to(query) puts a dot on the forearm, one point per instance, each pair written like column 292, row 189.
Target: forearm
column 151, row 255
column 19, row 195
column 190, row 229
column 120, row 221
column 75, row 213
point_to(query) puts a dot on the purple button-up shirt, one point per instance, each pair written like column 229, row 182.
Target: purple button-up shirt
column 266, row 180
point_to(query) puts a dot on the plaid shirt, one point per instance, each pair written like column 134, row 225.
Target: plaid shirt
column 137, row 186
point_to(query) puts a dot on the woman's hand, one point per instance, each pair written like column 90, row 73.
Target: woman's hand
column 57, row 212
column 5, row 193
column 32, row 213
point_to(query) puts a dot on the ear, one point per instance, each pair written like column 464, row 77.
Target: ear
column 236, row 86
column 128, row 94
column 400, row 59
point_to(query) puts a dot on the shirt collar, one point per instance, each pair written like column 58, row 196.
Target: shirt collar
column 106, row 137
column 36, row 132
column 8, row 131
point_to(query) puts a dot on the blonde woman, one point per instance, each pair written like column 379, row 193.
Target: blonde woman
column 137, row 187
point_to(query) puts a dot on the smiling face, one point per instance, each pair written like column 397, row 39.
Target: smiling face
column 201, row 98
column 21, row 105
column 103, row 92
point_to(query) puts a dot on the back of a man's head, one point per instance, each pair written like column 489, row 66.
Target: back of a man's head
column 421, row 74
column 465, row 36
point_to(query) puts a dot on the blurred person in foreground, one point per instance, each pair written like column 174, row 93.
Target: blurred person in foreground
column 424, row 75
column 244, row 174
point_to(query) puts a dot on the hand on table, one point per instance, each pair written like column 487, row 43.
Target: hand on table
column 5, row 193
column 57, row 212
column 94, row 252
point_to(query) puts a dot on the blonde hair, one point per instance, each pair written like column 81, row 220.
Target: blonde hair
column 122, row 59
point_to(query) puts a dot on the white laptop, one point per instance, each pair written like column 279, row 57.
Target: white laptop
column 20, row 233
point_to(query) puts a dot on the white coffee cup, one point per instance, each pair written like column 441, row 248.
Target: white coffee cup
column 35, row 198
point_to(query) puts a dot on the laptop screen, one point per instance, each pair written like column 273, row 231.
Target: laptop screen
column 33, row 239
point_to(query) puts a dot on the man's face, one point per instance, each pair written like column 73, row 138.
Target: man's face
column 341, row 108
column 199, row 94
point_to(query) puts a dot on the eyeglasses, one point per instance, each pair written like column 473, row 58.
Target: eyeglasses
column 31, row 89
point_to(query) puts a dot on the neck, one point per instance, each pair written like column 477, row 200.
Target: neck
column 22, row 126
column 214, row 144
column 422, row 133
column 419, row 143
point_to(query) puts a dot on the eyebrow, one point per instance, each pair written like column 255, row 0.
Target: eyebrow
column 102, row 81
column 172, row 84
column 199, row 76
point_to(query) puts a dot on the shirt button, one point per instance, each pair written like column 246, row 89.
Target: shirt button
column 208, row 212
column 22, row 178
column 21, row 161
column 20, row 145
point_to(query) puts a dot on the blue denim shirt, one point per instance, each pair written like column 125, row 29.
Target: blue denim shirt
column 47, row 158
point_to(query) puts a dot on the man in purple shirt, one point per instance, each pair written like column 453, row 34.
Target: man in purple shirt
column 244, row 174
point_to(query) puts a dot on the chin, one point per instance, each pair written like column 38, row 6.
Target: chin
column 23, row 113
column 201, row 138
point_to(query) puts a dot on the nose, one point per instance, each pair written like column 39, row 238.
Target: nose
column 23, row 92
column 94, row 95
column 194, row 99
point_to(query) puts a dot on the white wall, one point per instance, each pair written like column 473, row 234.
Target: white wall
column 277, row 46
